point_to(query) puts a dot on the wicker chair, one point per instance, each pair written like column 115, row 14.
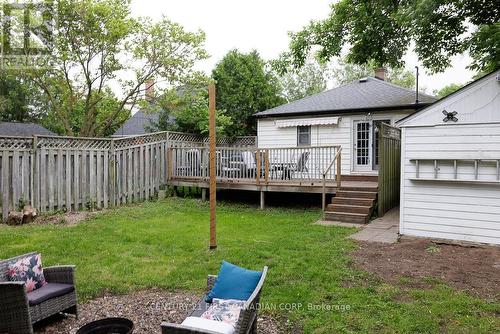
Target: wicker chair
column 247, row 322
column 18, row 311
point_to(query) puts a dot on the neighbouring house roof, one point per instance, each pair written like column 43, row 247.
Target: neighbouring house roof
column 358, row 96
column 23, row 129
column 138, row 124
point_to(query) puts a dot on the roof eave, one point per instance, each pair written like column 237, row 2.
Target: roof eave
column 337, row 112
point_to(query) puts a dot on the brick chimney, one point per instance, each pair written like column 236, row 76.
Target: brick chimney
column 149, row 89
column 381, row 73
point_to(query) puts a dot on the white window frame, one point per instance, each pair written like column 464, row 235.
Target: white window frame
column 299, row 133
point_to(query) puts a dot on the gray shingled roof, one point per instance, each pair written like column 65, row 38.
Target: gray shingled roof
column 366, row 93
column 137, row 124
column 23, row 129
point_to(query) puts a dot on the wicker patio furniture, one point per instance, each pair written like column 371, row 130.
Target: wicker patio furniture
column 19, row 310
column 247, row 321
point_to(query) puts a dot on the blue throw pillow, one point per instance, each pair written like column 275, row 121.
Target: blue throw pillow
column 234, row 282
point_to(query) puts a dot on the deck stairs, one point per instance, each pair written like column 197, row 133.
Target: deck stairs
column 354, row 201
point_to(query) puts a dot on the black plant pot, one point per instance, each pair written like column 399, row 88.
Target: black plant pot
column 108, row 326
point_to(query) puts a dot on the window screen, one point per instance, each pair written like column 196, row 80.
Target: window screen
column 304, row 136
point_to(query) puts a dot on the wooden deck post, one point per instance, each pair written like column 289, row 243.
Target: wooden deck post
column 204, row 194
column 169, row 163
column 266, row 166
column 262, row 200
column 257, row 170
column 213, row 183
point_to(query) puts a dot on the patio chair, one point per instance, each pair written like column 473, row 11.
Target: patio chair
column 19, row 310
column 301, row 166
column 232, row 164
column 247, row 320
column 189, row 163
column 250, row 166
column 288, row 169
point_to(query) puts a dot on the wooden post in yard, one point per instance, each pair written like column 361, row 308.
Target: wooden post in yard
column 213, row 184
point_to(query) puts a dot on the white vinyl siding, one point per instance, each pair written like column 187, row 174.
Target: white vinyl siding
column 460, row 211
column 467, row 211
column 269, row 135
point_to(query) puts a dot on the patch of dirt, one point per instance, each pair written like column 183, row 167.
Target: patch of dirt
column 66, row 219
column 422, row 263
column 147, row 309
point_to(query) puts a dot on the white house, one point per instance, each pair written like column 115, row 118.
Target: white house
column 347, row 115
column 450, row 165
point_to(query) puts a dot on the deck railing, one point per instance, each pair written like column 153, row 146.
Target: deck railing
column 336, row 161
column 263, row 165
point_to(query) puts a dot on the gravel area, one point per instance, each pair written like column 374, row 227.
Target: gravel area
column 147, row 309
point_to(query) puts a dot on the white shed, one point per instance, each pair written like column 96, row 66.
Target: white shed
column 450, row 166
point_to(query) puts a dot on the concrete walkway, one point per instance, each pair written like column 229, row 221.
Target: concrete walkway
column 384, row 229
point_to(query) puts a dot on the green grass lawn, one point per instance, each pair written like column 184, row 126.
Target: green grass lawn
column 165, row 244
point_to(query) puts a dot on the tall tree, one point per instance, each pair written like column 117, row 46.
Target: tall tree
column 16, row 99
column 307, row 80
column 447, row 90
column 383, row 31
column 99, row 45
column 346, row 72
column 185, row 109
column 245, row 86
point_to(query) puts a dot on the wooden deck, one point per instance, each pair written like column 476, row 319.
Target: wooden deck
column 313, row 186
column 298, row 169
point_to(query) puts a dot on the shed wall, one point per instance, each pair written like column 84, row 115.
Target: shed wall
column 447, row 209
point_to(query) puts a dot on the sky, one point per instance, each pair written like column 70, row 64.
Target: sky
column 264, row 25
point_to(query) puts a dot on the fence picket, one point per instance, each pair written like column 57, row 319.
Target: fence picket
column 105, row 181
column 146, row 160
column 42, row 178
column 15, row 180
column 99, row 179
column 51, row 171
column 26, row 176
column 129, row 175
column 84, row 186
column 92, row 178
column 60, row 180
column 76, row 180
column 5, row 185
column 68, row 181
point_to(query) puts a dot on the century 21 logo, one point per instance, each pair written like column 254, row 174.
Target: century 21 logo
column 27, row 28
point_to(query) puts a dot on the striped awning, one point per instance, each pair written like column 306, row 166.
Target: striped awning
column 287, row 123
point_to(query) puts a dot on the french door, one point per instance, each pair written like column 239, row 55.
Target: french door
column 366, row 150
column 362, row 146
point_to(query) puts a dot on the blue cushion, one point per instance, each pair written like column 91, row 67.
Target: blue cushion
column 234, row 282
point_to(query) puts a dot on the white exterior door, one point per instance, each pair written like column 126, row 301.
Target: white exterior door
column 362, row 146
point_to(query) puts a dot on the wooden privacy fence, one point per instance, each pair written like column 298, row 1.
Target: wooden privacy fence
column 390, row 167
column 70, row 173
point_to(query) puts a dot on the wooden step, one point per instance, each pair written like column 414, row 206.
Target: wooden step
column 360, row 188
column 353, row 201
column 357, row 218
column 373, row 178
column 356, row 194
column 349, row 208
